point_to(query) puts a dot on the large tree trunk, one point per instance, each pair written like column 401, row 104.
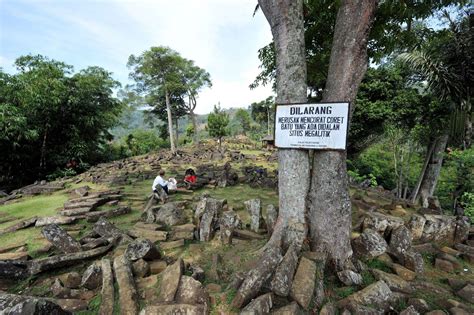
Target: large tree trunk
column 170, row 122
column 286, row 21
column 329, row 202
column 431, row 174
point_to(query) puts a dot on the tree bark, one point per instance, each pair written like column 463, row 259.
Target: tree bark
column 433, row 169
column 192, row 107
column 170, row 122
column 286, row 21
column 176, row 131
column 415, row 192
column 329, row 202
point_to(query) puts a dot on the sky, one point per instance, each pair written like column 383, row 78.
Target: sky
column 221, row 36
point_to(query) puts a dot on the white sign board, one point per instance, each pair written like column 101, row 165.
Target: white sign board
column 312, row 126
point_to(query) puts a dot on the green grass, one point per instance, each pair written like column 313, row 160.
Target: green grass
column 344, row 292
column 28, row 207
column 378, row 264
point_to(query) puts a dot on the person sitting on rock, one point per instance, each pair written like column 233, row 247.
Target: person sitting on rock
column 190, row 176
column 160, row 181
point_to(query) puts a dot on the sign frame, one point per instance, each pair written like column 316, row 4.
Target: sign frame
column 349, row 104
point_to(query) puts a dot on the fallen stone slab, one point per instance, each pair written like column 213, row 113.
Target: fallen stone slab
column 71, row 305
column 92, row 277
column 101, row 241
column 377, row 294
column 58, row 219
column 20, row 225
column 170, row 281
column 172, row 244
column 75, row 212
column 14, row 256
column 248, row 235
column 304, row 282
column 261, row 305
column 61, row 239
column 174, row 309
column 107, row 292
column 128, row 296
column 394, row 282
column 148, row 226
column 44, row 264
column 11, row 247
column 12, row 304
column 106, row 229
column 95, row 215
column 153, row 236
column 14, row 270
column 257, row 277
column 283, row 277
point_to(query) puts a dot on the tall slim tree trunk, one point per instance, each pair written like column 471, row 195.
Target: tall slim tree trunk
column 268, row 122
column 193, row 120
column 170, row 122
column 176, row 131
column 329, row 200
column 286, row 21
column 433, row 169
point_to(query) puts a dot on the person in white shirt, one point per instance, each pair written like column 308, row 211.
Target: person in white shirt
column 160, row 181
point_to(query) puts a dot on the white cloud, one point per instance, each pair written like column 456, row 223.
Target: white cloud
column 221, row 36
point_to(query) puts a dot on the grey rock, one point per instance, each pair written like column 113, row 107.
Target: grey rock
column 61, row 239
column 92, row 277
column 369, row 244
column 259, row 306
column 254, row 207
column 191, row 291
column 349, row 277
column 140, row 268
column 142, row 249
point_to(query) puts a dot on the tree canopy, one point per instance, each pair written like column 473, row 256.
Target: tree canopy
column 50, row 115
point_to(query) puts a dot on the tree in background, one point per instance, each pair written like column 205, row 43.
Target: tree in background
column 51, row 116
column 445, row 62
column 217, row 123
column 243, row 117
column 158, row 71
column 263, row 112
column 195, row 80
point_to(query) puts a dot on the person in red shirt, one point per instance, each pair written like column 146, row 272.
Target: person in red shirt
column 190, row 177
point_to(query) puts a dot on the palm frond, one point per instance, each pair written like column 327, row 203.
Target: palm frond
column 441, row 82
